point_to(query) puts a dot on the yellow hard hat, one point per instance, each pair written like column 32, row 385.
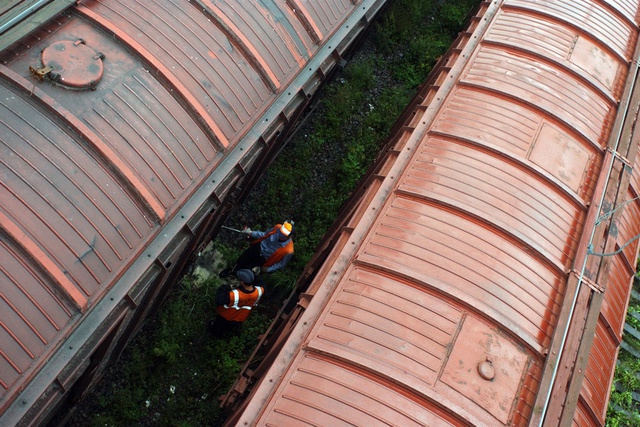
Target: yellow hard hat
column 286, row 228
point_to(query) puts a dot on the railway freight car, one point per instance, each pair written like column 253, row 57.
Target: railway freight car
column 481, row 274
column 128, row 131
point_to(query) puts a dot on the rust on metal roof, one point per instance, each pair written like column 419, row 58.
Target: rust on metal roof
column 476, row 256
column 342, row 395
column 613, row 23
column 371, row 321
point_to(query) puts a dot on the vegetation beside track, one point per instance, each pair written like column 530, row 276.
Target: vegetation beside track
column 624, row 404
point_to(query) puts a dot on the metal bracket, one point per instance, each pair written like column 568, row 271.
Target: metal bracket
column 40, row 73
column 593, row 285
column 620, row 157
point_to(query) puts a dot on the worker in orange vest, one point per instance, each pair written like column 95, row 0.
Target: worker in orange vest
column 268, row 252
column 233, row 306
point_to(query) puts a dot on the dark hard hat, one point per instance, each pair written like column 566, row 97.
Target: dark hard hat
column 245, row 275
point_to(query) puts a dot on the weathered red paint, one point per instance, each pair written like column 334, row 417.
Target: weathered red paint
column 485, row 249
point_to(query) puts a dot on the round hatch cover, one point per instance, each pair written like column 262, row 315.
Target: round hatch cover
column 73, row 64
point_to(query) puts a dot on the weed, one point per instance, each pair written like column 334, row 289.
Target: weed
column 623, row 410
column 187, row 370
column 166, row 351
column 631, row 319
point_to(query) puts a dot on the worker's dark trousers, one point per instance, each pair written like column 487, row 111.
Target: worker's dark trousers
column 219, row 327
column 250, row 258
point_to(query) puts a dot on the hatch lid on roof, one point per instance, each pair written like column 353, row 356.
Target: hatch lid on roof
column 73, row 64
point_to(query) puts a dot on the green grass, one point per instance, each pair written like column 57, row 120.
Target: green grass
column 623, row 411
column 174, row 375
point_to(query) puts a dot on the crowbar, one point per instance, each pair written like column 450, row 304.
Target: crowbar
column 233, row 229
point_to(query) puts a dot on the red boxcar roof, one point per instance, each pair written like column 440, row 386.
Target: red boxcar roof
column 457, row 280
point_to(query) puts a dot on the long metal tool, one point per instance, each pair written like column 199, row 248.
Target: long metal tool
column 233, row 229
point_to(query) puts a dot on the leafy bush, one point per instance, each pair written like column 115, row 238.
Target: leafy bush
column 623, row 411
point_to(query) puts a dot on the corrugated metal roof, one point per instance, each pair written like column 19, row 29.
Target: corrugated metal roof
column 368, row 402
column 66, row 200
column 453, row 281
column 612, row 24
column 390, row 326
column 469, row 261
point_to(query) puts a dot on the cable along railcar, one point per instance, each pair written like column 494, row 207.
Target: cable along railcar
column 129, row 129
column 481, row 275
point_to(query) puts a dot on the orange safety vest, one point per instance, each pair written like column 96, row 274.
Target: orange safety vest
column 280, row 252
column 240, row 304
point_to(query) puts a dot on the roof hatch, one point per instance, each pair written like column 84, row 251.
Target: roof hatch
column 72, row 64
